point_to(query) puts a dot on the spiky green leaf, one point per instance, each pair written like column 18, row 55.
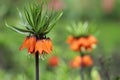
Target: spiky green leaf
column 21, row 31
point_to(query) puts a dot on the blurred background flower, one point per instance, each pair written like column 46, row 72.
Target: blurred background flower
column 53, row 61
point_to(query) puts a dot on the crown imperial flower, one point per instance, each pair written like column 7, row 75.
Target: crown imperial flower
column 38, row 22
column 81, row 39
column 53, row 61
column 84, row 61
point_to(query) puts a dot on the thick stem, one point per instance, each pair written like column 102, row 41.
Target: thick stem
column 37, row 65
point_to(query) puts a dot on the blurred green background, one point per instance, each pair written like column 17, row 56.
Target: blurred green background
column 103, row 14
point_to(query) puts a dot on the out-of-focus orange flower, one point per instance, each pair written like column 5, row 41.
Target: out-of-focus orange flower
column 53, row 61
column 76, row 62
column 29, row 43
column 84, row 61
column 87, row 60
column 43, row 46
column 83, row 42
column 77, row 44
column 92, row 40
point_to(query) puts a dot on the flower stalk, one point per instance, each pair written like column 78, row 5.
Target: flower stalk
column 37, row 65
column 82, row 67
column 82, row 71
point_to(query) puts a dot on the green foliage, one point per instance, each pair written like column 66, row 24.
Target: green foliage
column 37, row 20
column 81, row 29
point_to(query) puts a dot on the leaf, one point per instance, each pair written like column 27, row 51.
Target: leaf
column 28, row 17
column 53, row 23
column 23, row 20
column 21, row 31
column 44, row 18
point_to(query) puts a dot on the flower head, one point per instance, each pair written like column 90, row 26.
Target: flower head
column 75, row 63
column 43, row 46
column 29, row 43
column 80, row 39
column 37, row 22
column 87, row 60
column 53, row 61
column 84, row 61
column 82, row 44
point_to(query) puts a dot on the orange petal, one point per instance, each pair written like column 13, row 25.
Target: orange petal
column 87, row 60
column 92, row 40
column 75, row 46
column 83, row 42
column 76, row 62
column 39, row 46
column 25, row 43
column 32, row 42
column 47, row 46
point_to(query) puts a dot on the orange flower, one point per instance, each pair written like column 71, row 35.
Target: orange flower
column 53, row 61
column 76, row 62
column 84, row 61
column 43, row 45
column 92, row 40
column 29, row 43
column 48, row 46
column 70, row 39
column 87, row 60
column 75, row 46
column 83, row 42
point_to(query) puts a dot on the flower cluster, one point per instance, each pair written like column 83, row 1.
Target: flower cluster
column 82, row 44
column 35, row 45
column 81, row 38
column 84, row 61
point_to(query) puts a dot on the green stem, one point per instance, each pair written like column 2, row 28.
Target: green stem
column 82, row 68
column 37, row 65
column 82, row 71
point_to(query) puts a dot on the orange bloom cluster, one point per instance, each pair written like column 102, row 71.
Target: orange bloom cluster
column 53, row 61
column 82, row 43
column 35, row 45
column 84, row 61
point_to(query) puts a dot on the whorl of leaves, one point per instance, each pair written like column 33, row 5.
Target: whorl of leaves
column 37, row 19
column 81, row 29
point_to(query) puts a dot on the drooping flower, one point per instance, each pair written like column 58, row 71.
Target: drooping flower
column 43, row 46
column 78, row 44
column 87, row 61
column 38, row 22
column 29, row 43
column 53, row 61
column 75, row 63
column 81, row 39
column 84, row 61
